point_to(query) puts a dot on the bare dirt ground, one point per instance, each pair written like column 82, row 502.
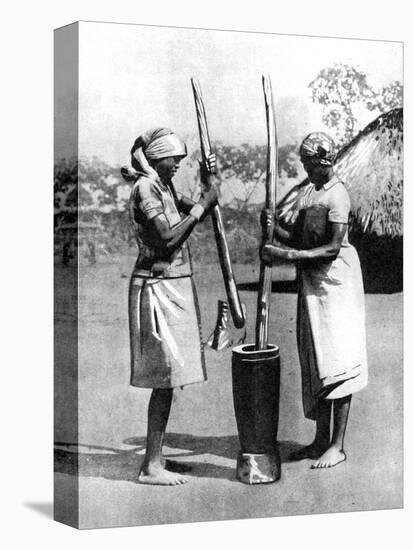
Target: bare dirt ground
column 202, row 430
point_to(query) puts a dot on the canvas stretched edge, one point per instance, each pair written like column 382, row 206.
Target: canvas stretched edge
column 66, row 411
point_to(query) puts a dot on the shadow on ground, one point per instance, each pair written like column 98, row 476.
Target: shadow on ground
column 123, row 465
column 283, row 287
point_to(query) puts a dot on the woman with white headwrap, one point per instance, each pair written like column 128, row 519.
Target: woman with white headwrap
column 166, row 350
column 330, row 315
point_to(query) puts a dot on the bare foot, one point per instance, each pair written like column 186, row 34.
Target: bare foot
column 159, row 476
column 330, row 458
column 313, row 451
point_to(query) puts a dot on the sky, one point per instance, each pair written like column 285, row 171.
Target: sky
column 134, row 77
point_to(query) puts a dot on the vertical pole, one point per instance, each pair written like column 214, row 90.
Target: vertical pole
column 265, row 280
column 237, row 311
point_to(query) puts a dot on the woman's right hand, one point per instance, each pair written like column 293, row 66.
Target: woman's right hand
column 209, row 198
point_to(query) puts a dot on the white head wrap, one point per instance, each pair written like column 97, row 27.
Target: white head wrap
column 168, row 145
column 154, row 144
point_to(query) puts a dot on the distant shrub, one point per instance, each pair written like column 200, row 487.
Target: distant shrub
column 103, row 212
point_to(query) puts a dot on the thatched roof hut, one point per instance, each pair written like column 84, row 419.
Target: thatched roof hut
column 371, row 167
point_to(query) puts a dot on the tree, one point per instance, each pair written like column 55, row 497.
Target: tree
column 65, row 191
column 242, row 170
column 389, row 97
column 343, row 90
column 288, row 160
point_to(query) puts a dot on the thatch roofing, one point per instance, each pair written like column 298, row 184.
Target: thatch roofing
column 371, row 167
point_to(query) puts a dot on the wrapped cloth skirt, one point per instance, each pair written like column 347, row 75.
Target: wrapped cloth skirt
column 331, row 330
column 165, row 337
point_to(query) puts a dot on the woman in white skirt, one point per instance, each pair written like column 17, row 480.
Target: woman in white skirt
column 330, row 315
column 165, row 341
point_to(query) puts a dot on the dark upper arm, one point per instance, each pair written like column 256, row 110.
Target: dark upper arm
column 338, row 231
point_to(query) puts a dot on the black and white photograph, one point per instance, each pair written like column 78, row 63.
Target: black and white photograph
column 228, row 275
